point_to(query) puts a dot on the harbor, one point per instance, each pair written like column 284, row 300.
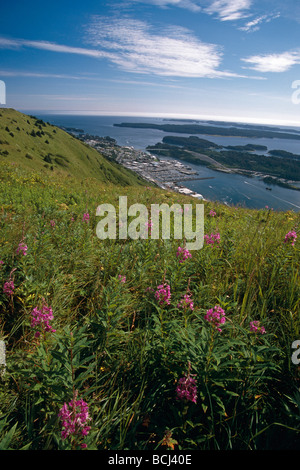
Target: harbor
column 165, row 173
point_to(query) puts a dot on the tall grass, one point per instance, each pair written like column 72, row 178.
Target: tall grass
column 122, row 351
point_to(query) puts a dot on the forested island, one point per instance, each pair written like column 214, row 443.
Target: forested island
column 213, row 130
column 237, row 159
column 237, row 124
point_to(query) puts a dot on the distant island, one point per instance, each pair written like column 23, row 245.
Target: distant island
column 281, row 168
column 213, row 130
column 238, row 124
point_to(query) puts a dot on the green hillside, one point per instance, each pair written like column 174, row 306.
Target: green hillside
column 39, row 146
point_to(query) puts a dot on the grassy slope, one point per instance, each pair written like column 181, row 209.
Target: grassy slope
column 133, row 352
column 65, row 154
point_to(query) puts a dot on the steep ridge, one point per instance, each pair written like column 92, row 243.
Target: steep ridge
column 36, row 145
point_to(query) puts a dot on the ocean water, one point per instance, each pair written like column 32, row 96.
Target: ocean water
column 231, row 189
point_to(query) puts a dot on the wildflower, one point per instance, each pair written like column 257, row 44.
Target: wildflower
column 163, row 294
column 86, row 217
column 212, row 213
column 22, row 248
column 8, row 287
column 149, row 224
column 212, row 238
column 42, row 318
column 1, row 262
column 74, row 417
column 186, row 302
column 148, row 227
column 216, row 316
column 183, row 254
column 187, row 387
column 255, row 326
column 292, row 235
column 122, row 278
column 52, row 223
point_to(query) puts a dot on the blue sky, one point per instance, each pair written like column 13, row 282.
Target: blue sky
column 216, row 59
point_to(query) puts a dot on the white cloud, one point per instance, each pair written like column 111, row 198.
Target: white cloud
column 273, row 62
column 173, row 52
column 131, row 46
column 192, row 5
column 229, row 10
column 22, row 73
column 135, row 47
column 50, row 46
column 254, row 25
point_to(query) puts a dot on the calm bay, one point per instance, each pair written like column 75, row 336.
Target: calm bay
column 231, row 189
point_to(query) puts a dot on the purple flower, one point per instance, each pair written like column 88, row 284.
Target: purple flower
column 122, row 278
column 187, row 387
column 22, row 248
column 74, row 417
column 212, row 238
column 86, row 217
column 163, row 294
column 183, row 254
column 8, row 287
column 41, row 318
column 216, row 316
column 212, row 213
column 255, row 326
column 291, row 236
column 186, row 302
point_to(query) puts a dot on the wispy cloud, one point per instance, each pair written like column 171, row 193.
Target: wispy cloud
column 29, row 74
column 254, row 25
column 135, row 47
column 225, row 10
column 50, row 46
column 192, row 5
column 273, row 62
column 229, row 10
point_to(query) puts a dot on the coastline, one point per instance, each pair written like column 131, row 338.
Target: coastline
column 166, row 174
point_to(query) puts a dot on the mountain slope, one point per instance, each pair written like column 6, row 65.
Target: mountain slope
column 36, row 145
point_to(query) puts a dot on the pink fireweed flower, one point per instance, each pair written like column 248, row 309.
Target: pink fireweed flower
column 8, row 287
column 41, row 318
column 86, row 217
column 212, row 239
column 1, row 262
column 22, row 248
column 186, row 302
column 212, row 213
column 291, row 236
column 183, row 254
column 148, row 227
column 122, row 278
column 255, row 326
column 52, row 223
column 187, row 387
column 216, row 316
column 163, row 294
column 74, row 417
column 149, row 224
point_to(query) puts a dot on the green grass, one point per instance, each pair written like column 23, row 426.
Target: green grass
column 40, row 146
column 121, row 350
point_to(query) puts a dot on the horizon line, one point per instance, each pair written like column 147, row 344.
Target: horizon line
column 183, row 116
